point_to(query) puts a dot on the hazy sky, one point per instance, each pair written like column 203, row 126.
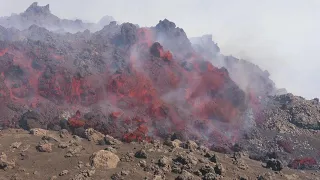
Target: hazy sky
column 281, row 36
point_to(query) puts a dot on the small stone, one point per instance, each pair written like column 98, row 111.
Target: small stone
column 111, row 140
column 49, row 138
column 242, row 177
column 186, row 159
column 77, row 138
column 64, row 145
column 125, row 173
column 80, row 164
column 5, row 163
column 240, row 164
column 16, row 145
column 141, row 154
column 74, row 151
column 203, row 149
column 274, row 164
column 93, row 135
column 116, row 176
column 46, row 147
column 128, row 157
column 190, row 145
column 207, row 169
column 143, row 163
column 53, row 178
column 173, row 144
column 210, row 176
column 91, row 172
column 164, row 161
column 158, row 177
column 23, row 156
column 156, row 143
column 111, row 149
column 25, row 147
column 38, row 132
column 211, row 156
column 185, row 175
column 219, row 169
column 63, row 133
column 197, row 173
column 176, row 169
column 102, row 142
column 64, row 172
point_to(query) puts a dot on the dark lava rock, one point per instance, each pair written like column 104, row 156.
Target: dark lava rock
column 141, row 154
column 155, row 49
column 178, row 135
column 64, row 124
column 185, row 175
column 127, row 36
column 54, row 127
column 81, row 132
column 207, row 169
column 176, row 168
column 219, row 169
column 211, row 156
column 274, row 164
column 186, row 159
column 209, row 176
column 30, row 120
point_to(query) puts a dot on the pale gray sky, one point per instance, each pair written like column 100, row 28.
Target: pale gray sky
column 278, row 35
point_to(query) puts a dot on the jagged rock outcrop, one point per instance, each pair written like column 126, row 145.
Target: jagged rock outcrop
column 172, row 37
column 290, row 109
column 42, row 17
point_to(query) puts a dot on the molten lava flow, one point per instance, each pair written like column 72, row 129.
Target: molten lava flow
column 143, row 92
column 4, row 51
column 303, row 163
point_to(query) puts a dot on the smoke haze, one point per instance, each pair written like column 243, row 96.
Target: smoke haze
column 279, row 36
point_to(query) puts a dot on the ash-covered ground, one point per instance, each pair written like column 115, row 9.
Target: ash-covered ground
column 145, row 83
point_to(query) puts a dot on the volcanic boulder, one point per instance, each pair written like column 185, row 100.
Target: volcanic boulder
column 104, row 159
column 30, row 120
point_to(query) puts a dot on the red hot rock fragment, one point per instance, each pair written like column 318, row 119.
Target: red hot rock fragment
column 75, row 120
column 303, row 163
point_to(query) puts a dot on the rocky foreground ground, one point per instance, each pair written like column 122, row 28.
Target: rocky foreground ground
column 42, row 154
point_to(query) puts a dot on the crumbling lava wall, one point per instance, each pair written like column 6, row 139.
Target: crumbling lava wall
column 134, row 87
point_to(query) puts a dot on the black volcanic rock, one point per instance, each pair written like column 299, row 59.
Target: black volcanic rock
column 274, row 164
column 172, row 37
column 127, row 36
column 30, row 120
column 155, row 49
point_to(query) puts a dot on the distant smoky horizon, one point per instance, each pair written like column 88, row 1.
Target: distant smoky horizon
column 280, row 37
